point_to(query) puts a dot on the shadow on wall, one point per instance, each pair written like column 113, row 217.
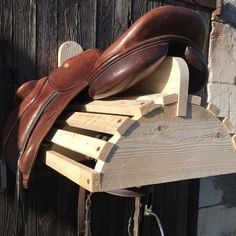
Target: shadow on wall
column 229, row 13
column 227, row 184
column 10, row 77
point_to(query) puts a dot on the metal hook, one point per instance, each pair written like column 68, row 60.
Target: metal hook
column 148, row 212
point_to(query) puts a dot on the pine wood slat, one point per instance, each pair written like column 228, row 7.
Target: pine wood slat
column 194, row 99
column 228, row 125
column 162, row 99
column 119, row 107
column 110, row 124
column 213, row 109
column 92, row 147
column 77, row 172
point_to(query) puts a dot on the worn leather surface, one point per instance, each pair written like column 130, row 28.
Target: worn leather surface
column 174, row 29
column 31, row 120
column 133, row 57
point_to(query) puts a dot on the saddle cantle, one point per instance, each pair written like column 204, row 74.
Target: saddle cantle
column 164, row 31
column 130, row 59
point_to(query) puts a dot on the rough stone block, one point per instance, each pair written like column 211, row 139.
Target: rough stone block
column 218, row 94
column 222, row 54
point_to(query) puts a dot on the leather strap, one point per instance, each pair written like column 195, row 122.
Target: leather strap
column 19, row 221
column 3, row 175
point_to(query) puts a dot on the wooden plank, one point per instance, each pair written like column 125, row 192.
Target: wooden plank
column 171, row 77
column 77, row 172
column 138, row 8
column 119, row 107
column 64, row 151
column 213, row 109
column 105, row 23
column 121, row 17
column 88, row 23
column 228, row 125
column 67, row 50
column 178, row 149
column 46, row 58
column 110, row 124
column 194, row 99
column 209, row 4
column 68, row 14
column 24, row 64
column 92, row 147
column 46, row 37
column 234, row 141
column 68, row 18
column 161, row 99
column 24, row 39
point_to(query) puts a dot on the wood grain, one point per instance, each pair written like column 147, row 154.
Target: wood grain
column 83, row 21
column 87, row 23
column 110, row 124
column 177, row 149
column 105, row 23
column 47, row 34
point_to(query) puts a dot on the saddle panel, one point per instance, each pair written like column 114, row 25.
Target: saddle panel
column 46, row 94
column 127, row 70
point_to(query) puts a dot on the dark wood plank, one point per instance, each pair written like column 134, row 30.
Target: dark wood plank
column 46, row 61
column 105, row 23
column 67, row 21
column 122, row 17
column 87, row 23
column 67, row 195
column 192, row 208
column 138, row 8
column 6, row 98
column 46, row 37
column 6, row 61
column 24, row 40
column 209, row 3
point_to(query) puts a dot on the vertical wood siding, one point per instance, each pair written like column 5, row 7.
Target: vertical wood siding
column 31, row 32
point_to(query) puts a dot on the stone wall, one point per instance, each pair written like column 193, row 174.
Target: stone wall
column 217, row 202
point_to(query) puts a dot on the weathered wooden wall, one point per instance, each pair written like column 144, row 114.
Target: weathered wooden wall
column 31, row 31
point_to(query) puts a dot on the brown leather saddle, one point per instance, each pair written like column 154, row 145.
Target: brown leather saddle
column 133, row 57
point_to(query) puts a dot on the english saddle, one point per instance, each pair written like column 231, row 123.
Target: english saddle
column 133, row 57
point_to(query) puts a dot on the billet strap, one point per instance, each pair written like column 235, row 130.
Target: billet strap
column 3, row 175
column 19, row 222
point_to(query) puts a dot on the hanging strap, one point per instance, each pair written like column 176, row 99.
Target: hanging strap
column 84, row 213
column 3, row 175
column 19, row 221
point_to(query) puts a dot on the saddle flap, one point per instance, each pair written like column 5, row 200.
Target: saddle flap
column 73, row 71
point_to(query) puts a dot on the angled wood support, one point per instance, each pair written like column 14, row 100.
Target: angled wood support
column 172, row 77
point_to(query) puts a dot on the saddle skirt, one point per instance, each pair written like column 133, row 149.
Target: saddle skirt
column 132, row 58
